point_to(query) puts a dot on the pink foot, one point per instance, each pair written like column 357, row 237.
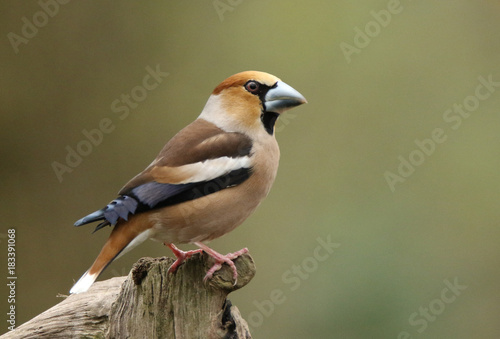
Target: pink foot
column 221, row 259
column 180, row 255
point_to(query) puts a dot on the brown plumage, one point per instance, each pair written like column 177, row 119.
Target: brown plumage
column 206, row 180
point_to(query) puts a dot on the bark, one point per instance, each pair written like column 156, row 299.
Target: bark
column 150, row 303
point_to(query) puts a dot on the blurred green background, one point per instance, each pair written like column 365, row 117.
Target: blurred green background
column 398, row 250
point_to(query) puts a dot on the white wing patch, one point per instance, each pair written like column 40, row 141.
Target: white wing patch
column 213, row 168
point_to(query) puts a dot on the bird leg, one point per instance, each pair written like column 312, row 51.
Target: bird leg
column 220, row 259
column 180, row 256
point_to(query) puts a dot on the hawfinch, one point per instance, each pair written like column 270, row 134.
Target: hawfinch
column 206, row 180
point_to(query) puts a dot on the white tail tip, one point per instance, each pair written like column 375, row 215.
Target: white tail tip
column 84, row 283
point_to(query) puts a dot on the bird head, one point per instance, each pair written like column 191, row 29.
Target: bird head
column 250, row 102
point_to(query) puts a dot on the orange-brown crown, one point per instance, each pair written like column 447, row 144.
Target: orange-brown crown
column 239, row 79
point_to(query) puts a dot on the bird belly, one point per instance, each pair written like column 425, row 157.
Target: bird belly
column 202, row 219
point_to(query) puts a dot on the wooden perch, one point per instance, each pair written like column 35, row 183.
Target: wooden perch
column 149, row 303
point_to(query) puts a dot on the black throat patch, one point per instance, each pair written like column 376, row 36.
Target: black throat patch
column 269, row 119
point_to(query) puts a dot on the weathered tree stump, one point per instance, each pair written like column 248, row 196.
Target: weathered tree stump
column 150, row 303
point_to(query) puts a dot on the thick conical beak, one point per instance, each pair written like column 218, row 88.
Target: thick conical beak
column 282, row 97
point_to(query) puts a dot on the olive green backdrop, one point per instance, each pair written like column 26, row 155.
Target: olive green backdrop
column 383, row 221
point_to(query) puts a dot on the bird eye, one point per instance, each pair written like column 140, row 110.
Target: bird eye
column 252, row 86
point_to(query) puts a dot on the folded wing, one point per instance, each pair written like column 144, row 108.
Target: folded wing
column 200, row 160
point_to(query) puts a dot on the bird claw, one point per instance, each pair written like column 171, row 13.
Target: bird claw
column 180, row 256
column 221, row 259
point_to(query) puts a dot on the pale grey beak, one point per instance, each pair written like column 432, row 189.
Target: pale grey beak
column 282, row 97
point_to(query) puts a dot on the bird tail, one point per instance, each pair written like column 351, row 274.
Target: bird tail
column 124, row 237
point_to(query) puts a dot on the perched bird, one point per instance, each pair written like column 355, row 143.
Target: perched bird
column 206, row 180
